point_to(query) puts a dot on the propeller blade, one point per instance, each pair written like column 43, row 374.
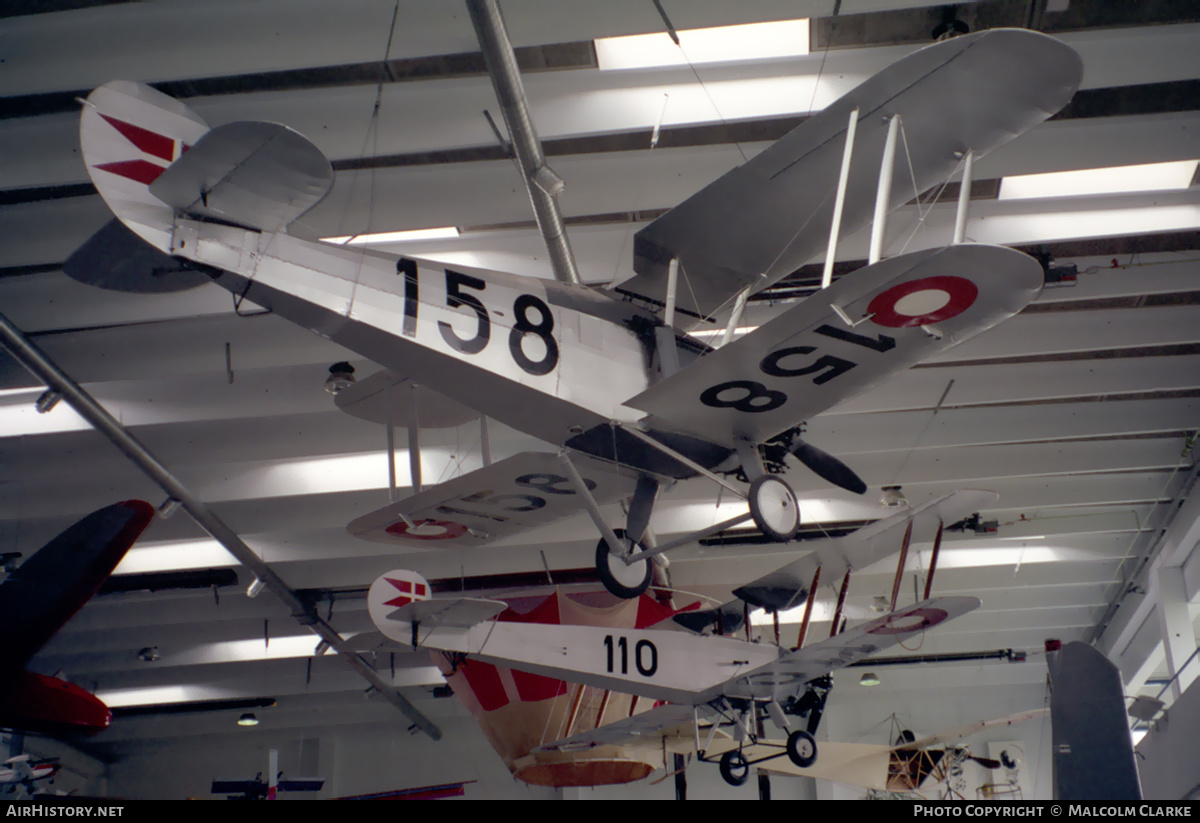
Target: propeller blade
column 828, row 467
column 986, row 762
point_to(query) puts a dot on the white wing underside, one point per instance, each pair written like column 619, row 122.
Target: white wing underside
column 766, row 218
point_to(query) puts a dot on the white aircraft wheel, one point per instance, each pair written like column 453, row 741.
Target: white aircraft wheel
column 801, row 749
column 624, row 581
column 734, row 767
column 774, row 508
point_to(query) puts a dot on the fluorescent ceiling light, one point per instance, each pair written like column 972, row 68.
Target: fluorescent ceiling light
column 155, row 695
column 442, row 233
column 175, row 555
column 19, row 417
column 1112, row 180
column 723, row 44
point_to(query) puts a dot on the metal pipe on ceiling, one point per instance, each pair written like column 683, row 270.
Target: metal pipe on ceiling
column 542, row 183
column 48, row 371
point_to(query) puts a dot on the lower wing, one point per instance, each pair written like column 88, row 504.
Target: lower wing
column 480, row 507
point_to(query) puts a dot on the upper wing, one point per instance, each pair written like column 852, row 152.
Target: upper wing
column 904, row 309
column 787, row 586
column 963, row 732
column 780, row 677
column 771, row 215
column 519, row 493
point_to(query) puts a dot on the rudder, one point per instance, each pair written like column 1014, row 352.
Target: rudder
column 130, row 134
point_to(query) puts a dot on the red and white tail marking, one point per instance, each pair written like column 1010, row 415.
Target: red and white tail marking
column 393, row 590
column 130, row 134
column 159, row 146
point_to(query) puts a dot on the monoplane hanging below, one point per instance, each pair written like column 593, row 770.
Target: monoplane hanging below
column 707, row 679
column 633, row 402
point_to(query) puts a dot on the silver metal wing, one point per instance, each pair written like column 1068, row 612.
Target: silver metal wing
column 766, row 218
column 842, row 341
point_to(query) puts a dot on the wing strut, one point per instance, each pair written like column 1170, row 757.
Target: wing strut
column 884, row 193
column 36, row 361
column 937, row 547
column 836, row 225
column 664, row 335
column 900, row 564
column 964, row 198
column 808, row 607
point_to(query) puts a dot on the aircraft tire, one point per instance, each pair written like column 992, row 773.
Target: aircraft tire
column 801, row 748
column 734, row 768
column 774, row 508
column 620, row 580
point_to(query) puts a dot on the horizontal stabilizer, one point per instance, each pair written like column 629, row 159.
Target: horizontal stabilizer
column 448, row 613
column 115, row 258
column 386, row 397
column 401, row 598
column 261, row 175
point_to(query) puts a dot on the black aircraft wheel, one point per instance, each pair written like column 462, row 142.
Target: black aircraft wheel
column 621, row 580
column 774, row 508
column 801, row 749
column 734, row 767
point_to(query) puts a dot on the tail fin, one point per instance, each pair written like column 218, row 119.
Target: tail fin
column 399, row 602
column 258, row 176
column 130, row 134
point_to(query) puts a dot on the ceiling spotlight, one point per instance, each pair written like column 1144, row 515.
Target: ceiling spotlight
column 893, row 498
column 46, row 401
column 868, row 679
column 341, row 376
column 148, row 654
column 255, row 587
column 248, row 719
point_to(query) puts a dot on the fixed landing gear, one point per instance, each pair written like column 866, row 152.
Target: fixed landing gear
column 735, row 769
column 621, row 580
column 774, row 508
column 801, row 748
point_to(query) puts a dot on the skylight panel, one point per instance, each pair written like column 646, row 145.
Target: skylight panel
column 721, row 44
column 1111, row 180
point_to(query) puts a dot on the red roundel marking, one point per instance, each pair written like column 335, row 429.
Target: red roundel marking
column 428, row 530
column 910, row 621
column 937, row 298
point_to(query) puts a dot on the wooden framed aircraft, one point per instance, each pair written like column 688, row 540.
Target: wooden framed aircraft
column 703, row 677
column 607, row 376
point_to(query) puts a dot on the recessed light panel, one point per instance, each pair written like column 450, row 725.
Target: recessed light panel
column 722, row 44
column 1110, row 180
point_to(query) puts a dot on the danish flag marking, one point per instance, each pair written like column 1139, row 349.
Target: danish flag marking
column 409, row 592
